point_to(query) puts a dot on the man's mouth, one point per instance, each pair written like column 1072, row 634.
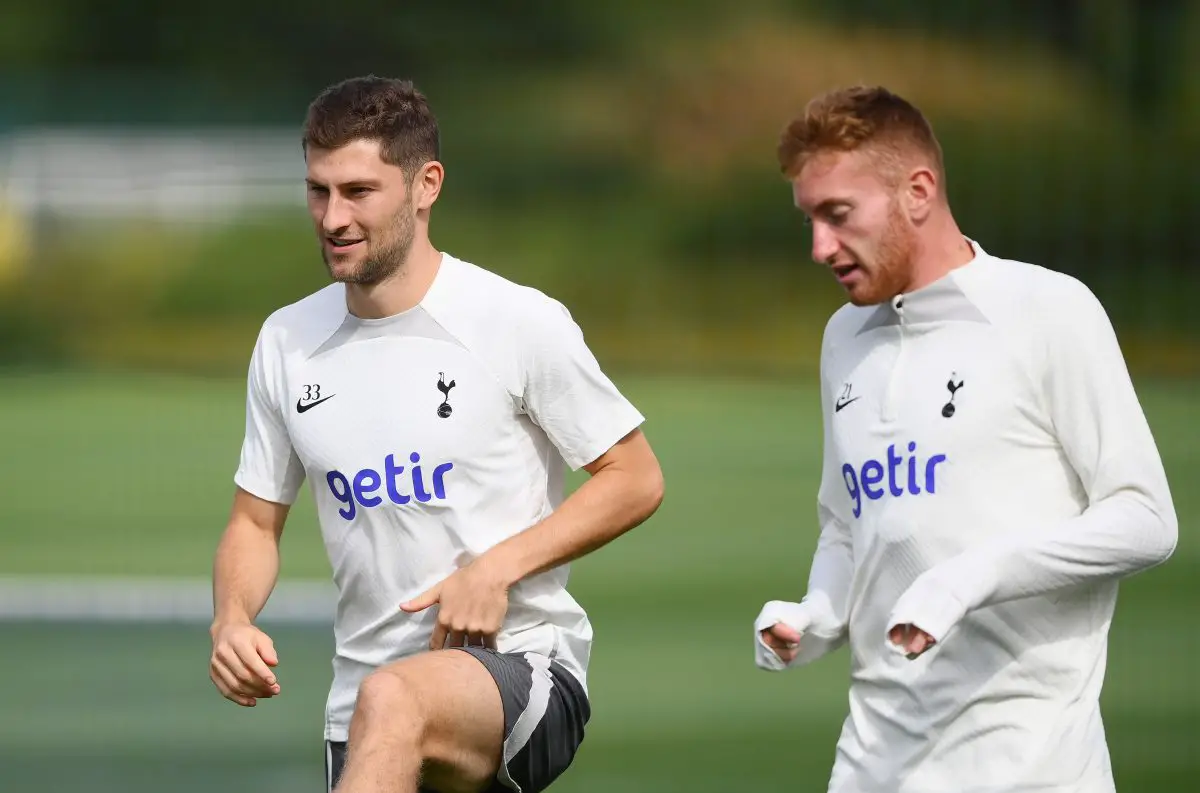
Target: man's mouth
column 844, row 272
column 342, row 242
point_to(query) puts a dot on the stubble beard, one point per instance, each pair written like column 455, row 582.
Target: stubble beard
column 384, row 262
column 892, row 270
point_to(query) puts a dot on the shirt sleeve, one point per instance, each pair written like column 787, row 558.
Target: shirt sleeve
column 1129, row 524
column 564, row 390
column 821, row 616
column 269, row 467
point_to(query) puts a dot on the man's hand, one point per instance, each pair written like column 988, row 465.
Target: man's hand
column 927, row 612
column 911, row 639
column 241, row 663
column 471, row 606
column 783, row 641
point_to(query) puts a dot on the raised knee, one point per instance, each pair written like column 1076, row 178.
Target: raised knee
column 388, row 701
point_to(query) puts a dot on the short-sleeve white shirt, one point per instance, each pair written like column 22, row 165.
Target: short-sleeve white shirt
column 427, row 438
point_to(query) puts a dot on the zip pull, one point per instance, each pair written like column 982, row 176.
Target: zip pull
column 888, row 411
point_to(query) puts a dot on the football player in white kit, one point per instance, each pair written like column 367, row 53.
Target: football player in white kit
column 989, row 476
column 433, row 407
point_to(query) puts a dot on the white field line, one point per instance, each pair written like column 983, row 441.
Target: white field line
column 71, row 598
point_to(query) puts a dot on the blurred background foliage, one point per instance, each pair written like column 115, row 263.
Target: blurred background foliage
column 619, row 156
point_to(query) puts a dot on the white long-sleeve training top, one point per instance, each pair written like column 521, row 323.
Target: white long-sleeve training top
column 989, row 476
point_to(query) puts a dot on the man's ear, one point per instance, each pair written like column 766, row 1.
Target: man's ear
column 920, row 193
column 427, row 184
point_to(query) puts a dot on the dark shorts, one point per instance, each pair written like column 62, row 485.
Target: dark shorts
column 545, row 711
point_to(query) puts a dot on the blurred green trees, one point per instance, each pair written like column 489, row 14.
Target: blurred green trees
column 621, row 157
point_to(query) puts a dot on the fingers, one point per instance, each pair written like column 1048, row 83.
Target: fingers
column 228, row 685
column 266, row 651
column 456, row 633
column 423, row 600
column 783, row 641
column 481, row 638
column 261, row 675
column 438, row 640
column 464, row 637
column 239, row 666
column 466, row 616
column 911, row 639
column 778, row 629
column 786, row 634
column 781, row 637
column 919, row 643
column 244, row 680
column 786, row 654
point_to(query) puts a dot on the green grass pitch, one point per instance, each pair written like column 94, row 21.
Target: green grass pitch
column 131, row 475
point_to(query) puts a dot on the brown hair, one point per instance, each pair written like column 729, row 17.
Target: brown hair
column 387, row 110
column 859, row 118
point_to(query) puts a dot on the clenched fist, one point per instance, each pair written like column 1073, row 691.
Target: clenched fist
column 241, row 663
column 783, row 641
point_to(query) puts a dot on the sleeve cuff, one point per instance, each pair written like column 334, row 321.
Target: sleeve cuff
column 256, row 487
column 623, row 423
column 933, row 609
column 793, row 615
column 820, row 632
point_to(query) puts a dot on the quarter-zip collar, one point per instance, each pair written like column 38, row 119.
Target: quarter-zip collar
column 943, row 300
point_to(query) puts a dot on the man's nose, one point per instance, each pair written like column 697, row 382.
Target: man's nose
column 824, row 243
column 337, row 215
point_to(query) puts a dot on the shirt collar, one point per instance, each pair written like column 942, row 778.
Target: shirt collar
column 941, row 301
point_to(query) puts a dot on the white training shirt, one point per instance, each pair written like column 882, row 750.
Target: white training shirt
column 1000, row 527
column 427, row 438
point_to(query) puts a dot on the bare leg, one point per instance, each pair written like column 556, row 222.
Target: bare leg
column 435, row 719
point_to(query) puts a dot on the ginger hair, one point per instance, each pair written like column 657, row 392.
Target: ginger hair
column 861, row 118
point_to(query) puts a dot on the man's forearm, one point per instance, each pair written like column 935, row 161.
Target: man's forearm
column 245, row 569
column 820, row 617
column 1115, row 538
column 604, row 507
column 1118, row 537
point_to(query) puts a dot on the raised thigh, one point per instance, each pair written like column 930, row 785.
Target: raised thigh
column 545, row 713
column 452, row 703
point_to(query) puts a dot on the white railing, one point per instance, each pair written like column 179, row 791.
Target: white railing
column 176, row 175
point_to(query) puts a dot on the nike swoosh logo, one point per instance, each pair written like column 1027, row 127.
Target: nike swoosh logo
column 837, row 408
column 300, row 408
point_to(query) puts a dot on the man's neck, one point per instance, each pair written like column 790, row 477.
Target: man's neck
column 939, row 254
column 404, row 290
